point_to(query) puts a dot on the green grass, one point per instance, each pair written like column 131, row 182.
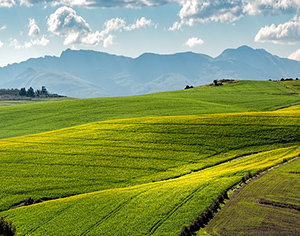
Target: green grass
column 127, row 152
column 293, row 85
column 159, row 208
column 238, row 97
column 244, row 215
column 113, row 155
column 141, row 165
column 30, row 101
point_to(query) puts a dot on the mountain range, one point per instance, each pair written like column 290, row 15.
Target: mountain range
column 86, row 74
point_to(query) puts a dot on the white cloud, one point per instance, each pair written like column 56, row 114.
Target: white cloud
column 108, row 41
column 65, row 20
column 15, row 43
column 34, row 30
column 1, row 44
column 4, row 27
column 194, row 41
column 99, row 3
column 66, row 23
column 288, row 32
column 115, row 24
column 202, row 11
column 7, row 3
column 40, row 41
column 176, row 26
column 255, row 7
column 140, row 23
column 295, row 55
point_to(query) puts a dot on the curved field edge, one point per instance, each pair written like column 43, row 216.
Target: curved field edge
column 267, row 206
column 159, row 208
column 120, row 153
column 238, row 97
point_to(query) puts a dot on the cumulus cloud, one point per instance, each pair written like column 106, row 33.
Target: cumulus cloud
column 295, row 55
column 7, row 3
column 115, row 24
column 65, row 20
column 34, row 30
column 100, row 3
column 66, row 23
column 4, row 27
column 194, row 41
column 108, row 41
column 288, row 32
column 255, row 7
column 202, row 11
column 140, row 23
column 40, row 41
column 1, row 44
column 176, row 26
column 15, row 43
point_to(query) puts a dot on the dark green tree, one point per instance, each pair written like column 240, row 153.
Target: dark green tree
column 38, row 92
column 44, row 90
column 6, row 227
column 22, row 92
column 30, row 92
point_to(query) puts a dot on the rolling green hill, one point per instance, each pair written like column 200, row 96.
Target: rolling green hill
column 142, row 165
column 159, row 208
column 239, row 97
column 139, row 152
column 270, row 203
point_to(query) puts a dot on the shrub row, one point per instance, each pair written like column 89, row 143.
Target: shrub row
column 204, row 217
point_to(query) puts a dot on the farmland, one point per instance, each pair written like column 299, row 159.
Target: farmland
column 144, row 165
column 280, row 188
column 239, row 97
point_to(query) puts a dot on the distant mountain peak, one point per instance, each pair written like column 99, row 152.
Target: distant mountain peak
column 243, row 52
column 87, row 73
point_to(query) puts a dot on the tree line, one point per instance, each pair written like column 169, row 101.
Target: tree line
column 31, row 93
column 204, row 217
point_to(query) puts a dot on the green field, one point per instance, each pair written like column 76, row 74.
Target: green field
column 238, row 97
column 293, row 85
column 246, row 215
column 143, row 165
column 159, row 208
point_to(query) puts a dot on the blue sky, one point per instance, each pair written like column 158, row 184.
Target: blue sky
column 34, row 28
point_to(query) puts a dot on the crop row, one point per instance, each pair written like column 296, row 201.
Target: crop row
column 239, row 97
column 127, row 152
column 158, row 208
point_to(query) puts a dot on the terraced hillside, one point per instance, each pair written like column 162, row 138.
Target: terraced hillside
column 147, row 175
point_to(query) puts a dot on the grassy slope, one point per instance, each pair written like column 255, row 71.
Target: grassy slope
column 31, row 101
column 126, row 152
column 293, row 85
column 159, row 208
column 243, row 215
column 119, row 153
column 238, row 97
